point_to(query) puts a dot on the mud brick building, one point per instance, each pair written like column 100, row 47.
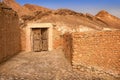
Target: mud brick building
column 40, row 37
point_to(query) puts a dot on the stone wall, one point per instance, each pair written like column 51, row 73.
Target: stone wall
column 9, row 33
column 97, row 51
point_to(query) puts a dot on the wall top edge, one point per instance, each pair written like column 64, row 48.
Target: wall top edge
column 39, row 25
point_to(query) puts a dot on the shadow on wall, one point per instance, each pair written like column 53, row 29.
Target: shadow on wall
column 67, row 46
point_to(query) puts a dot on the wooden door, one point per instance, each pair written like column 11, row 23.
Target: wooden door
column 40, row 39
column 37, row 42
column 44, row 33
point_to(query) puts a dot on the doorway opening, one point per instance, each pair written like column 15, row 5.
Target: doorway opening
column 40, row 39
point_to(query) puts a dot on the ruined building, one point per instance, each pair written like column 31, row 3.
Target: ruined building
column 87, row 44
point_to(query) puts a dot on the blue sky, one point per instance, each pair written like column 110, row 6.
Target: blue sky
column 85, row 6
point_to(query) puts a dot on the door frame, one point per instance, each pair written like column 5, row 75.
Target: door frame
column 29, row 39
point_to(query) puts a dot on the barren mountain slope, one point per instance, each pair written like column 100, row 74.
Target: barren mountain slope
column 111, row 20
column 66, row 17
column 72, row 20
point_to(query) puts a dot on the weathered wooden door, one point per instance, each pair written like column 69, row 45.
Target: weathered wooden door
column 40, row 39
column 44, row 38
column 37, row 42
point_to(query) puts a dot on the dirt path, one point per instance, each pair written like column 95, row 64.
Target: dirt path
column 41, row 66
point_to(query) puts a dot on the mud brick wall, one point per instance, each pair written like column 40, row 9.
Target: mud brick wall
column 67, row 46
column 57, row 39
column 9, row 33
column 97, row 51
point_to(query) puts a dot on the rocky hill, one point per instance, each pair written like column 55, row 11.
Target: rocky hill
column 64, row 17
column 17, row 7
column 35, row 8
column 109, row 19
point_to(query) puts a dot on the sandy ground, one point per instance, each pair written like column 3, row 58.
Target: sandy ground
column 43, row 66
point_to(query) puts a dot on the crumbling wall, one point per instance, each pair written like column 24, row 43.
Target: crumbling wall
column 9, row 33
column 67, row 46
column 97, row 51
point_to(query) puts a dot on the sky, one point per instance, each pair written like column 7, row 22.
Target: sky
column 84, row 6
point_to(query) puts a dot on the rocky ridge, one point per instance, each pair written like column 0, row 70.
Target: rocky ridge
column 64, row 17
